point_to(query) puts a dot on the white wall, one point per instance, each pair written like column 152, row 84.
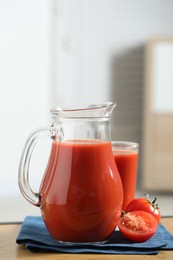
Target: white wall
column 24, row 88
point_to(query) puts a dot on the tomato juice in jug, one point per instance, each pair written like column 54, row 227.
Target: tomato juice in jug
column 79, row 195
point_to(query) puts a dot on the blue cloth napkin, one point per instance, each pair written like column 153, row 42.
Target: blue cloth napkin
column 35, row 237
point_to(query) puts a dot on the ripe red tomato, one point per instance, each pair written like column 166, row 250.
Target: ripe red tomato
column 138, row 226
column 145, row 205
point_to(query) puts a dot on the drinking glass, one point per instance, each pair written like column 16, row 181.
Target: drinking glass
column 126, row 158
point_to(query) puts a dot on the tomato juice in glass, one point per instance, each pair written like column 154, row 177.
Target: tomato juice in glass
column 126, row 158
column 81, row 192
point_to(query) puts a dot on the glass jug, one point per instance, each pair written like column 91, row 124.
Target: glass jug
column 81, row 194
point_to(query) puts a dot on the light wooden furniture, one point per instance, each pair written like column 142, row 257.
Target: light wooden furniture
column 9, row 250
column 157, row 153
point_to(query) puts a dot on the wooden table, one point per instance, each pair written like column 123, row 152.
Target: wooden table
column 9, row 250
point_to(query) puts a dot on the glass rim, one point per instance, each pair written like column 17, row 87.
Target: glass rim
column 82, row 107
column 85, row 111
column 125, row 145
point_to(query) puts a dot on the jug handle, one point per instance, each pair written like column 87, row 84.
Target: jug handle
column 23, row 173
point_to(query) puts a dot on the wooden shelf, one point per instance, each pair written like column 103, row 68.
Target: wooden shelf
column 158, row 116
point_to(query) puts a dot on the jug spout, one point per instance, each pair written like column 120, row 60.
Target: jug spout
column 109, row 107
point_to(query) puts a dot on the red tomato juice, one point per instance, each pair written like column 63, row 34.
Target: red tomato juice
column 127, row 162
column 81, row 192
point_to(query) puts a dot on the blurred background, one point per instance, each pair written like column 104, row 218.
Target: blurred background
column 66, row 52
